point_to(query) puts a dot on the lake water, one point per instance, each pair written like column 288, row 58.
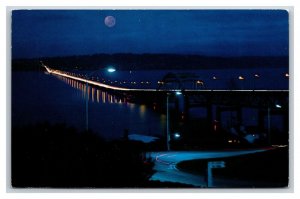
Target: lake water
column 40, row 97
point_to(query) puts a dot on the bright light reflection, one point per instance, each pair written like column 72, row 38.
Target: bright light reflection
column 142, row 110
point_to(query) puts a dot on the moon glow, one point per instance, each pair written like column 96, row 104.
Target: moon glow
column 110, row 21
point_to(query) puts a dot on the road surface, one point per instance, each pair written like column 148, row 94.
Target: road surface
column 166, row 170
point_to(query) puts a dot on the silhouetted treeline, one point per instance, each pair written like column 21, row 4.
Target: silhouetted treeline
column 149, row 62
column 46, row 155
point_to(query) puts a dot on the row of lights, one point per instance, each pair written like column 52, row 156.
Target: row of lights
column 111, row 70
column 240, row 77
column 125, row 82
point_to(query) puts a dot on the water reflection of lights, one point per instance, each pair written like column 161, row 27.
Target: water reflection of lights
column 93, row 94
column 96, row 95
column 103, row 97
column 142, row 110
column 131, row 106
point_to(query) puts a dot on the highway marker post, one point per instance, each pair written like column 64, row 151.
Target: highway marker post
column 210, row 166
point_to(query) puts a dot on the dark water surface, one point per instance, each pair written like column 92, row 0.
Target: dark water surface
column 40, row 97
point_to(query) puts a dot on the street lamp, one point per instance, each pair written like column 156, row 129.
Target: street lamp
column 177, row 135
column 110, row 70
column 87, row 76
column 168, row 133
column 178, row 92
column 278, row 106
column 168, row 125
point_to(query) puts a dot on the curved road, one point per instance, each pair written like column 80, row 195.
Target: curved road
column 166, row 171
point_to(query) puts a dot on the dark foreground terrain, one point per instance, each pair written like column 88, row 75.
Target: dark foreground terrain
column 267, row 169
column 57, row 156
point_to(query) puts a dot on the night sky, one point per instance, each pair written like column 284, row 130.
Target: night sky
column 45, row 33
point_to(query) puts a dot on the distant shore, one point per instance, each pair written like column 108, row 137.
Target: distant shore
column 150, row 62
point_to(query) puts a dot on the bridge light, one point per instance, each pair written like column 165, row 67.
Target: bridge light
column 111, row 70
column 214, row 77
column 199, row 82
column 177, row 135
column 178, row 93
column 241, row 77
column 287, row 75
column 278, row 106
column 256, row 75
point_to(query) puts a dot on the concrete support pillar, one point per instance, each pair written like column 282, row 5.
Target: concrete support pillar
column 239, row 115
column 218, row 113
column 186, row 107
column 209, row 116
column 261, row 115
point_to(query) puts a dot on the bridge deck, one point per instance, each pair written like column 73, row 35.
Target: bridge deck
column 126, row 89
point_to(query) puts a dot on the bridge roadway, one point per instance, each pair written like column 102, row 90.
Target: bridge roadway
column 124, row 89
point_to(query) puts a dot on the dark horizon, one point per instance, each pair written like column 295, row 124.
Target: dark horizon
column 141, row 54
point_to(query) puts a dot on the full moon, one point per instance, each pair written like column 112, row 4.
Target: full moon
column 110, row 21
